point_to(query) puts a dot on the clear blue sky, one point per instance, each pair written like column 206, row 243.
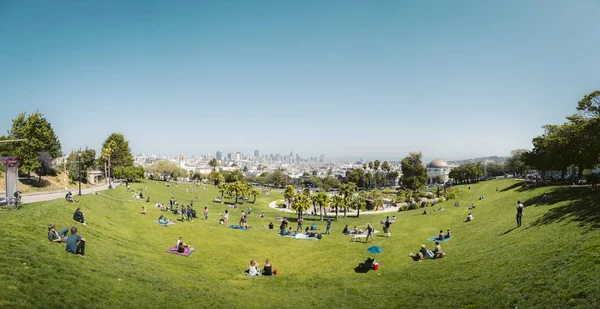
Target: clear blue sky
column 454, row 79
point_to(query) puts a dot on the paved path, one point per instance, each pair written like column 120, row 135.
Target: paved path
column 52, row 195
column 273, row 205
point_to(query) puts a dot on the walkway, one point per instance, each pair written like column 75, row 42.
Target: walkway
column 273, row 205
column 53, row 195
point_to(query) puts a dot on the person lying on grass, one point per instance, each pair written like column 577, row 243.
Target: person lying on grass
column 75, row 243
column 78, row 216
column 253, row 269
column 54, row 236
column 422, row 254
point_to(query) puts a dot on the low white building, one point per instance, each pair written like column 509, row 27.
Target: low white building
column 438, row 167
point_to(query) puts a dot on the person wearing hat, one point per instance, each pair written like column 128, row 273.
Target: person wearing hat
column 60, row 236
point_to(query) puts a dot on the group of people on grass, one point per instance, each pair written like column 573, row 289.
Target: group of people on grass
column 75, row 243
column 425, row 253
column 254, row 269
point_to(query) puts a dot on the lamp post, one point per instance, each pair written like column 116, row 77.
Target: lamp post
column 79, row 168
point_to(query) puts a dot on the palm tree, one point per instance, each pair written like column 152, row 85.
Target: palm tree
column 254, row 192
column 314, row 199
column 347, row 191
column 376, row 166
column 216, row 177
column 322, row 199
column 239, row 188
column 337, row 201
column 223, row 188
column 386, row 168
column 301, row 203
column 359, row 203
column 377, row 203
column 289, row 194
column 214, row 163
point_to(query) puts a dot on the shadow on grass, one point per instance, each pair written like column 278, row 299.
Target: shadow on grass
column 582, row 206
column 514, row 228
column 33, row 182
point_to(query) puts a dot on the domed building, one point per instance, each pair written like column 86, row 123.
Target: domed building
column 437, row 167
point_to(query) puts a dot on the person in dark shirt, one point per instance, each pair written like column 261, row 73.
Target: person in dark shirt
column 440, row 235
column 346, row 231
column 270, row 225
column 369, row 233
column 267, row 269
column 60, row 236
column 75, row 243
column 78, row 216
column 519, row 213
column 327, row 230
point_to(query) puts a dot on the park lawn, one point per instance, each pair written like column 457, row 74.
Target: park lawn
column 552, row 261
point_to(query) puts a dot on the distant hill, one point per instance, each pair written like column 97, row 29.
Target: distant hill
column 481, row 159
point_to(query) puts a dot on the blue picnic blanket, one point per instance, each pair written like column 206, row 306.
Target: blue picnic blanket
column 434, row 238
column 237, row 227
column 165, row 225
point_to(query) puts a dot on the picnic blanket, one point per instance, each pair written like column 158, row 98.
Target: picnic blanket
column 187, row 251
column 237, row 227
column 163, row 224
column 304, row 236
column 434, row 238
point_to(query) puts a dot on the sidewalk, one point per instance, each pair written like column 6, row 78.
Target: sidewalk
column 52, row 195
column 273, row 205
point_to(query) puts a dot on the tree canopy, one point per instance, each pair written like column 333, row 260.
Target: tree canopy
column 117, row 148
column 41, row 144
column 414, row 173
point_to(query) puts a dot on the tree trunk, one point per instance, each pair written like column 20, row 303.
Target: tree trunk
column 222, row 197
column 254, row 201
column 321, row 207
column 236, row 197
column 357, row 212
column 345, row 211
column 336, row 212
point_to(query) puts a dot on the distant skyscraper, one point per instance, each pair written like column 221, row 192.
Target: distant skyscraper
column 256, row 154
column 230, row 156
column 219, row 155
column 322, row 158
column 238, row 156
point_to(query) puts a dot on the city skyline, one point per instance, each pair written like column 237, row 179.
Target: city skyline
column 345, row 79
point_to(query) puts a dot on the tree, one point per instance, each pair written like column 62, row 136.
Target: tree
column 330, row 182
column 414, row 173
column 239, row 188
column 116, row 152
column 337, row 201
column 322, row 200
column 254, row 193
column 358, row 177
column 214, row 163
column 223, row 187
column 385, row 166
column 347, row 191
column 359, row 203
column 392, row 176
column 40, row 141
column 216, row 177
column 301, row 203
column 86, row 162
column 289, row 193
column 515, row 163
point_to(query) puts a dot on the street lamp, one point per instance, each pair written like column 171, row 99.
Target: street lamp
column 79, row 168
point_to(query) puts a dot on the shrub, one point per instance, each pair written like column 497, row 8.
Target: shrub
column 418, row 199
column 422, row 194
column 442, row 199
column 452, row 193
column 280, row 204
column 428, row 204
column 429, row 195
column 413, row 206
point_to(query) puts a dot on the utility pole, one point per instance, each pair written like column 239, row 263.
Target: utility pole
column 79, row 165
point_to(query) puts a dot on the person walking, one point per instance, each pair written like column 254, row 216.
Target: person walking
column 519, row 213
column 327, row 231
column 369, row 233
column 205, row 212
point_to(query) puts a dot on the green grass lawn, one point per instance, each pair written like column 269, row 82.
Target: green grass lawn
column 552, row 261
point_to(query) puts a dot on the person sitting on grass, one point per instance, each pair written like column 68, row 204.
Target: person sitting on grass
column 253, row 269
column 163, row 220
column 472, row 206
column 60, row 236
column 438, row 253
column 268, row 269
column 425, row 212
column 78, row 216
column 346, row 231
column 271, row 225
column 441, row 235
column 148, row 199
column 469, row 218
column 143, row 211
column 75, row 243
column 313, row 227
column 141, row 196
column 69, row 197
column 306, row 231
column 447, row 234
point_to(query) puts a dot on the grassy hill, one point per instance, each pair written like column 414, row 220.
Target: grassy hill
column 552, row 261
